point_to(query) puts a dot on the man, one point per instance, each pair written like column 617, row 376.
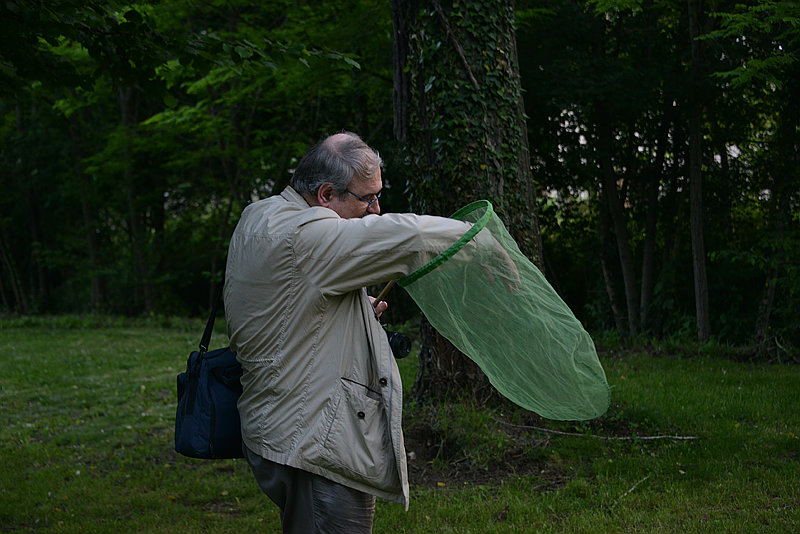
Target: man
column 322, row 400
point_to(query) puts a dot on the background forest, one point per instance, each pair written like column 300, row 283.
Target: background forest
column 663, row 142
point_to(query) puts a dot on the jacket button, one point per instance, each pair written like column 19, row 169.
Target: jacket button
column 361, row 415
column 383, row 381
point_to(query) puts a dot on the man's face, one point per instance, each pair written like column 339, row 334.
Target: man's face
column 352, row 207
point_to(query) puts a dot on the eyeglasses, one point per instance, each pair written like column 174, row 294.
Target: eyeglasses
column 369, row 202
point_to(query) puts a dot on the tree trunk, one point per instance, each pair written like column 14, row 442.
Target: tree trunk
column 778, row 215
column 41, row 292
column 39, row 296
column 606, row 262
column 3, row 296
column 525, row 222
column 784, row 187
column 87, row 211
column 140, row 271
column 649, row 252
column 616, row 211
column 219, row 254
column 649, row 248
column 672, row 217
column 696, row 226
column 12, row 275
column 458, row 110
column 696, row 181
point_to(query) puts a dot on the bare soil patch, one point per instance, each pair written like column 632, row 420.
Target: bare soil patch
column 436, row 458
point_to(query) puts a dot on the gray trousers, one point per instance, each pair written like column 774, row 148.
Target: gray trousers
column 311, row 504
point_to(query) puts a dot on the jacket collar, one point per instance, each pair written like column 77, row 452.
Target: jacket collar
column 293, row 196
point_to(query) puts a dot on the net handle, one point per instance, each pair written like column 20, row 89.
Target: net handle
column 383, row 293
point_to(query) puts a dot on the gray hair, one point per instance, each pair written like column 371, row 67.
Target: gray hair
column 336, row 160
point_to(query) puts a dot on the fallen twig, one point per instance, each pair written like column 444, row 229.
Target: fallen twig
column 617, row 438
column 628, row 492
column 502, row 515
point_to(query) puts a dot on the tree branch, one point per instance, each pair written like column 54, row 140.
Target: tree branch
column 616, row 438
column 456, row 44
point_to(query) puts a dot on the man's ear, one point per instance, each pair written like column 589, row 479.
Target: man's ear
column 325, row 194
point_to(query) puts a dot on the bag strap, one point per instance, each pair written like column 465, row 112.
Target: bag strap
column 206, row 339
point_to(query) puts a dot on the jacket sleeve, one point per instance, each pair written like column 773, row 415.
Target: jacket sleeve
column 342, row 255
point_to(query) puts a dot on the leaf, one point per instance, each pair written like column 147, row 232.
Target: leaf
column 244, row 52
column 604, row 6
column 352, row 62
column 170, row 101
column 133, row 16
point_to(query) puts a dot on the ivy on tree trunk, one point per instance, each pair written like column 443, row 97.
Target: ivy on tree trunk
column 458, row 111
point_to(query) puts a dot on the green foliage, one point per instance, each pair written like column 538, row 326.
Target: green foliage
column 611, row 93
column 768, row 30
column 172, row 118
column 601, row 7
column 131, row 136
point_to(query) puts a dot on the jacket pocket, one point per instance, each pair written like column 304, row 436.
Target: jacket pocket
column 357, row 444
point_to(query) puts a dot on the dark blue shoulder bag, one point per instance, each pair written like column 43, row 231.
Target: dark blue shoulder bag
column 207, row 422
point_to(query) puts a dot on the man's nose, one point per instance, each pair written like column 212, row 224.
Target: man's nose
column 375, row 207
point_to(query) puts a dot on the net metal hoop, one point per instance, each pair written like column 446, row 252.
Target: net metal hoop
column 458, row 245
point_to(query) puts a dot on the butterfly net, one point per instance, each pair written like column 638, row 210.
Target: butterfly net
column 496, row 307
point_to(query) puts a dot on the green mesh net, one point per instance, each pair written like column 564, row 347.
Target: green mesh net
column 496, row 307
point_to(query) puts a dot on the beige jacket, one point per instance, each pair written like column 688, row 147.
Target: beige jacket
column 322, row 391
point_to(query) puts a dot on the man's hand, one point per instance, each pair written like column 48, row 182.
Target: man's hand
column 381, row 306
column 505, row 267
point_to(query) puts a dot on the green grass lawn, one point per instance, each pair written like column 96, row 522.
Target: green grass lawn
column 87, row 408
